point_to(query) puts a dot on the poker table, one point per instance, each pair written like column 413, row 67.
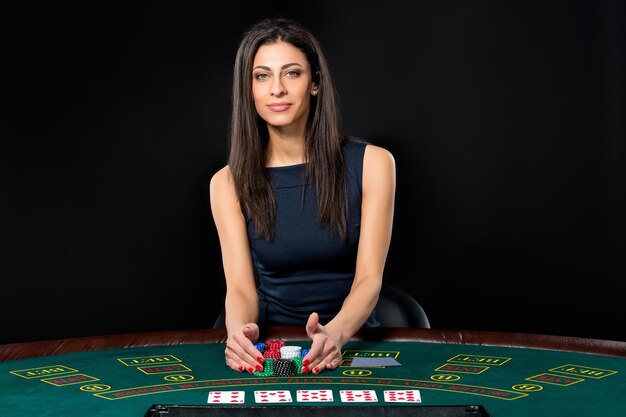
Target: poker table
column 459, row 372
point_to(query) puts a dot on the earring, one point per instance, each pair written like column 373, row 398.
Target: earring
column 314, row 92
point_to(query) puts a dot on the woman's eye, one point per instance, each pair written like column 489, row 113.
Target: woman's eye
column 260, row 76
column 292, row 74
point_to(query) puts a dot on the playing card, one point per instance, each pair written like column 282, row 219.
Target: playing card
column 373, row 362
column 316, row 395
column 358, row 396
column 276, row 396
column 231, row 397
column 402, row 396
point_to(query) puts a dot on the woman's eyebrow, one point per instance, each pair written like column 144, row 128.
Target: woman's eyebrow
column 263, row 67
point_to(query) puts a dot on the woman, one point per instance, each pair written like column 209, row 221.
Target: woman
column 299, row 208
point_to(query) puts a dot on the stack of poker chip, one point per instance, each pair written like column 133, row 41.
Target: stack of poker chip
column 285, row 367
column 272, row 349
column 271, row 353
column 290, row 357
column 274, row 344
column 268, row 368
column 293, row 353
column 290, row 352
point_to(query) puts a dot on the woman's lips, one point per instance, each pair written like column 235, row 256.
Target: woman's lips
column 279, row 106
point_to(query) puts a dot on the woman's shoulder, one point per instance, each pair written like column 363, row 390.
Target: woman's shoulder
column 379, row 169
column 371, row 151
column 222, row 192
column 377, row 152
column 221, row 179
column 378, row 159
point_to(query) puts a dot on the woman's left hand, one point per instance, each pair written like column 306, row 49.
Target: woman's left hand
column 325, row 352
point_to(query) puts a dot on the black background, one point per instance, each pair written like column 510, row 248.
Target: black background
column 506, row 120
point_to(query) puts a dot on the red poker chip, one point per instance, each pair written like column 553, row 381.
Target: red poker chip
column 271, row 353
column 274, row 343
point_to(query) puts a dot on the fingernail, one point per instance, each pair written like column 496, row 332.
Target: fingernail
column 305, row 370
column 305, row 362
column 251, row 369
column 260, row 359
column 259, row 368
column 240, row 368
column 316, row 370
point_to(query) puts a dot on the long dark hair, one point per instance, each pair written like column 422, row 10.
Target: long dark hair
column 249, row 136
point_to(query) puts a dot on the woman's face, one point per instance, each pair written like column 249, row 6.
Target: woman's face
column 281, row 86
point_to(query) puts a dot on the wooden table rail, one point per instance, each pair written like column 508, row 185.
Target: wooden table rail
column 15, row 351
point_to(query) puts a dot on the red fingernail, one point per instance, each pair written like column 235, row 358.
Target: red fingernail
column 305, row 362
column 260, row 359
column 259, row 368
column 305, row 370
column 316, row 370
column 251, row 370
column 240, row 368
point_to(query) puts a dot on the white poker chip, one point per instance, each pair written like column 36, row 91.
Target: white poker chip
column 290, row 351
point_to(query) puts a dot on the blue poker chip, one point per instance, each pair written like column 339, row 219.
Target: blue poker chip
column 304, row 352
column 260, row 346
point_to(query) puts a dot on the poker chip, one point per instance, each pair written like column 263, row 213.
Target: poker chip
column 268, row 368
column 289, row 352
column 272, row 353
column 285, row 367
column 298, row 362
column 274, row 344
column 277, row 350
column 280, row 359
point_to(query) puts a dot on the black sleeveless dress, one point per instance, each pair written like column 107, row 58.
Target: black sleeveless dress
column 305, row 268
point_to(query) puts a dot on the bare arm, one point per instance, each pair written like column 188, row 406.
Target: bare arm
column 242, row 303
column 379, row 184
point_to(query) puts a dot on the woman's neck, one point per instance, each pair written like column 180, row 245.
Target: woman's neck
column 283, row 150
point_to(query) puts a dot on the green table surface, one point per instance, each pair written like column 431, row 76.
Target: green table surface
column 506, row 381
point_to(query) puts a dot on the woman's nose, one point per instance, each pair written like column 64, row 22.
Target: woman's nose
column 278, row 89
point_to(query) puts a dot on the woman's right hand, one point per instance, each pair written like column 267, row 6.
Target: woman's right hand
column 241, row 354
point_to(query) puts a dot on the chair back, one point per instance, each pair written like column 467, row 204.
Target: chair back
column 397, row 308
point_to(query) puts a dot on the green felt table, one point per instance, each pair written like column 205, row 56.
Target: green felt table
column 507, row 380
